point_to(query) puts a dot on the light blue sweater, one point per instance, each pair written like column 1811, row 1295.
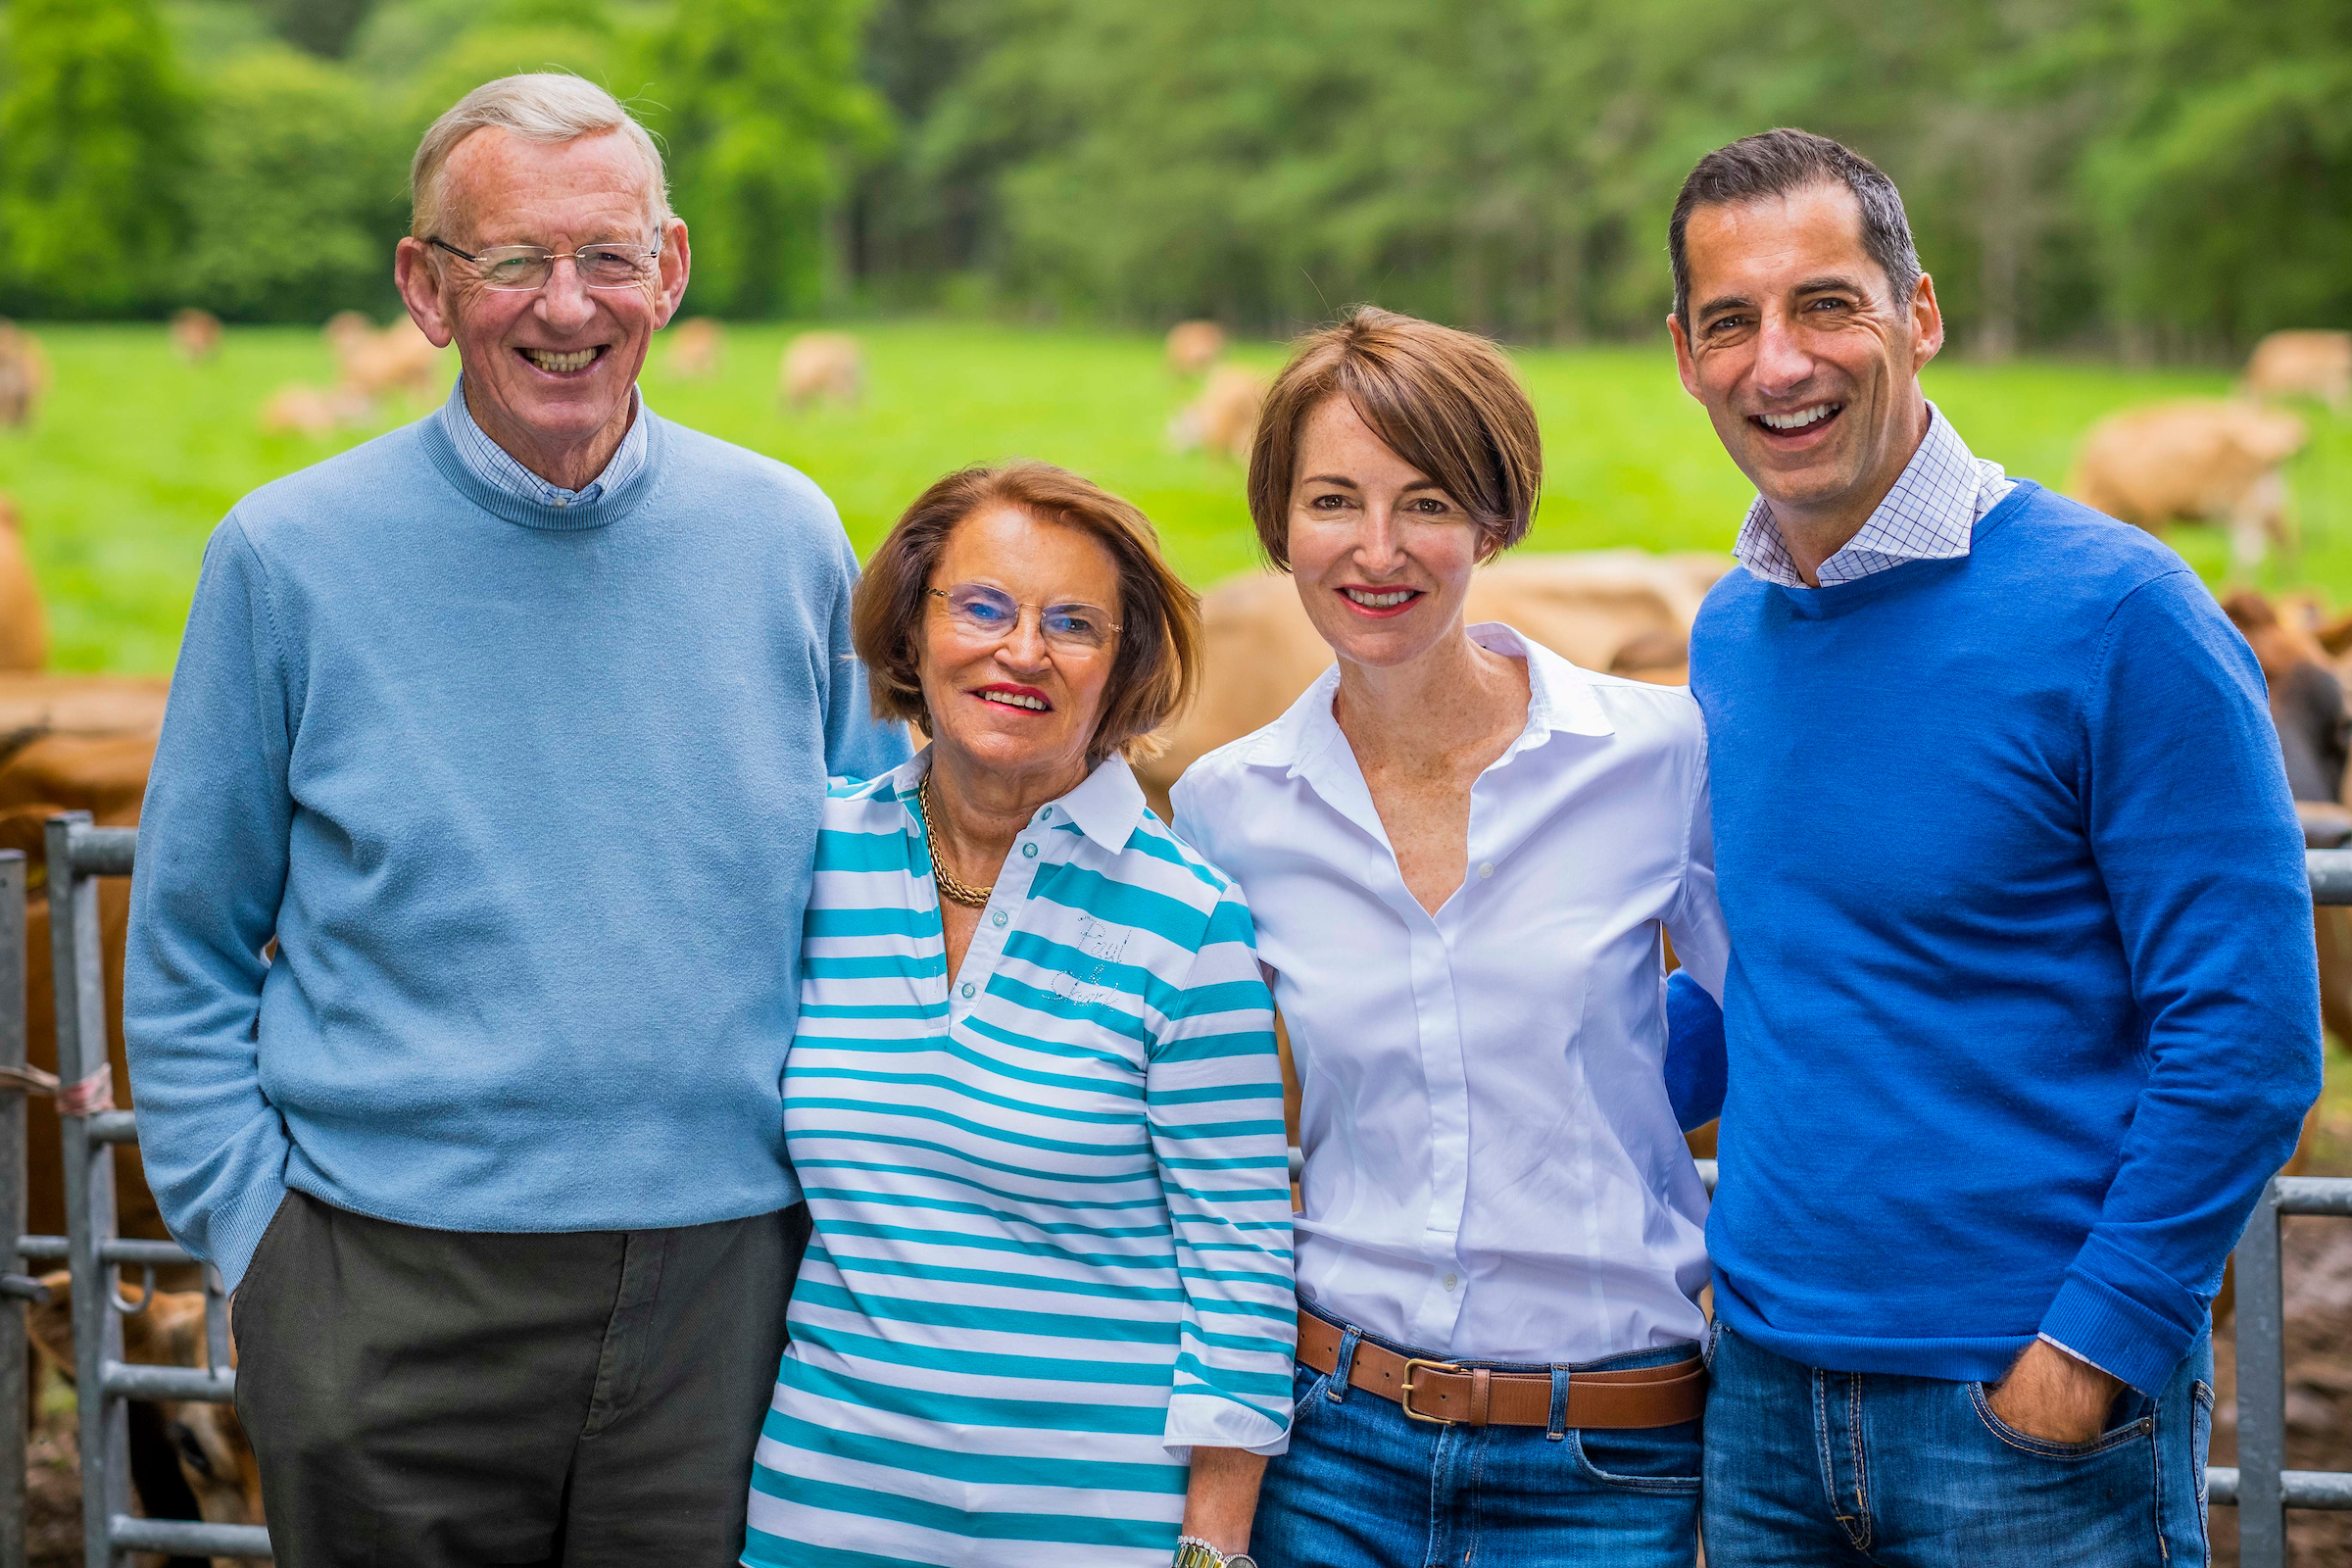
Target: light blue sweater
column 527, row 797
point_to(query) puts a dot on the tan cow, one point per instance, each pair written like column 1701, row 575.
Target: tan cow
column 1623, row 609
column 693, row 350
column 345, row 331
column 24, row 624
column 205, row 1440
column 826, row 366
column 196, row 334
column 2196, row 461
column 398, row 359
column 1194, row 346
column 24, row 374
column 1223, row 418
column 308, row 411
column 2302, row 364
column 76, row 743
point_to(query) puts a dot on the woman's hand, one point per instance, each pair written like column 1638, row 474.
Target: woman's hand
column 1222, row 1498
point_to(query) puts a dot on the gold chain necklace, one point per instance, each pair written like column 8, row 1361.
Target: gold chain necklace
column 963, row 892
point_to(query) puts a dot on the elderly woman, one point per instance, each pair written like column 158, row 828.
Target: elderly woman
column 1461, row 851
column 1034, row 1099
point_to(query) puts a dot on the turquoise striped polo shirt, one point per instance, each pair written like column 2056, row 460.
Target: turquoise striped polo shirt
column 1051, row 1197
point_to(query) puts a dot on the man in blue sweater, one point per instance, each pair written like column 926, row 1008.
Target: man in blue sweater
column 2022, row 1009
column 510, row 731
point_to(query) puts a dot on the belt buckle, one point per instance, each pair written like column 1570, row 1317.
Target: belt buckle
column 1406, row 1398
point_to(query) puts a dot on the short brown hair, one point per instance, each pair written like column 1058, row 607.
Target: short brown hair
column 1158, row 664
column 1446, row 402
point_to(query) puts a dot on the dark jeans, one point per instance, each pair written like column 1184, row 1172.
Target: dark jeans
column 424, row 1398
column 1814, row 1469
column 1365, row 1486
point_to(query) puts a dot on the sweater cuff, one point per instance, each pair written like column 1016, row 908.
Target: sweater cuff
column 236, row 1233
column 2095, row 1322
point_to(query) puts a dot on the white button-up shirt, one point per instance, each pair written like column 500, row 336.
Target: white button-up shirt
column 1494, row 1171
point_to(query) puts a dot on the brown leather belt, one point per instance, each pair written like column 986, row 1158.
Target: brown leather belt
column 1473, row 1395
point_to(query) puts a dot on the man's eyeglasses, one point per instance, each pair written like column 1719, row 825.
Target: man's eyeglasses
column 990, row 616
column 524, row 268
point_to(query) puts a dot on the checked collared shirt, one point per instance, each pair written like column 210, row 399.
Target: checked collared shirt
column 1929, row 516
column 491, row 463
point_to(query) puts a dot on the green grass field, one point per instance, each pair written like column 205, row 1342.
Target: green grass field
column 136, row 455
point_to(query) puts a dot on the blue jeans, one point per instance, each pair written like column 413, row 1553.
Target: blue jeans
column 1807, row 1468
column 1365, row 1486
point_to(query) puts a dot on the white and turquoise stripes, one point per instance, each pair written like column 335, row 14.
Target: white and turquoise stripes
column 1052, row 1243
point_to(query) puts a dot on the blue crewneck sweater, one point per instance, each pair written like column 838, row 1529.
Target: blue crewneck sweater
column 2021, row 1007
column 528, row 796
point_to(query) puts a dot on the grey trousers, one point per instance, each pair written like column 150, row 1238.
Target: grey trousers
column 422, row 1399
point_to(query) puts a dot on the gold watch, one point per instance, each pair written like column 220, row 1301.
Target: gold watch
column 1193, row 1552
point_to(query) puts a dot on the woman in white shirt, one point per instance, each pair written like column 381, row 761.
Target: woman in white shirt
column 1460, row 851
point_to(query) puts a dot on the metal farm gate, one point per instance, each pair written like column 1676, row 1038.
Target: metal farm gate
column 89, row 1128
column 2261, row 1487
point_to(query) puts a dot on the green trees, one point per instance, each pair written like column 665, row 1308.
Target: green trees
column 2176, row 169
column 758, row 100
column 2175, row 174
column 2223, row 181
column 94, row 139
column 298, row 194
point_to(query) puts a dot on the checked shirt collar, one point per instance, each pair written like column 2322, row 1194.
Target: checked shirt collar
column 1929, row 516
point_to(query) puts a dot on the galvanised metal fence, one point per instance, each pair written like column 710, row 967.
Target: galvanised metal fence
column 2260, row 1486
column 91, row 1129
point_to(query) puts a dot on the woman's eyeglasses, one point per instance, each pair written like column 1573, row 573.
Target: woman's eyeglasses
column 990, row 616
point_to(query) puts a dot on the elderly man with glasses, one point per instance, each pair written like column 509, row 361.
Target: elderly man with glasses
column 471, row 880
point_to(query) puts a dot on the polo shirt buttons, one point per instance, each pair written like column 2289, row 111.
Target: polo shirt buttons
column 1044, row 813
column 1028, row 852
column 996, row 919
column 1486, row 869
column 967, row 991
column 1452, row 1279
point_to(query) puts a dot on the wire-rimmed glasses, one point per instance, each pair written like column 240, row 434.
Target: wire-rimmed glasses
column 990, row 616
column 522, row 268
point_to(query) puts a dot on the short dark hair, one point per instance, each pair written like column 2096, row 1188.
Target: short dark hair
column 1158, row 663
column 1776, row 163
column 1445, row 401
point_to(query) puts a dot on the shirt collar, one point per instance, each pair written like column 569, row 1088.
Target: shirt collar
column 1930, row 514
column 495, row 467
column 1559, row 698
column 1106, row 806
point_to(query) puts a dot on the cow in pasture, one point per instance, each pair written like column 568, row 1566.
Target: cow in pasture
column 190, row 1459
column 2302, row 364
column 1194, row 346
column 2194, row 460
column 24, row 375
column 821, row 367
column 345, row 331
column 76, row 743
column 1223, row 418
column 196, row 334
column 1622, row 610
column 398, row 359
column 305, row 411
column 85, row 743
column 693, row 350
column 24, row 624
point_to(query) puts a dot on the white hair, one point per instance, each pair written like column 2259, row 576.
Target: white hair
column 539, row 106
